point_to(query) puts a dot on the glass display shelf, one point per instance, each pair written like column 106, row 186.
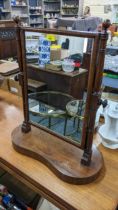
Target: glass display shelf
column 58, row 112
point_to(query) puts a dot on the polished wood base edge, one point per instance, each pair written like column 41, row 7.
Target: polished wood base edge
column 61, row 157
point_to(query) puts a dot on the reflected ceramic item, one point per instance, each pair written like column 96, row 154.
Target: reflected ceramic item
column 57, row 63
column 44, row 51
column 111, row 63
column 68, row 65
column 48, row 103
column 13, row 2
column 75, row 107
column 109, row 131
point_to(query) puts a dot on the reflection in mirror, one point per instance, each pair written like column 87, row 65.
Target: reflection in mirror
column 57, row 83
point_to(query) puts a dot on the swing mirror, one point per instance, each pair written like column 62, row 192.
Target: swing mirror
column 60, row 74
column 57, row 82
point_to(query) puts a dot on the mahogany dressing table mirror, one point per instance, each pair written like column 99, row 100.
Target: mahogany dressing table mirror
column 60, row 107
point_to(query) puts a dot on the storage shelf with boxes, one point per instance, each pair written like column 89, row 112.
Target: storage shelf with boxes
column 8, row 70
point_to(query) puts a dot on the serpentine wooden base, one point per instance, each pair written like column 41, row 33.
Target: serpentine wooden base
column 61, row 157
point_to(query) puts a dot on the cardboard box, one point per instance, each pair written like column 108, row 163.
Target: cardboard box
column 8, row 68
column 14, row 86
column 55, row 54
column 58, row 54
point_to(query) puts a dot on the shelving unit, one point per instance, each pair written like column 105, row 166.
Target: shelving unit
column 12, row 8
column 5, row 10
column 70, row 8
column 105, row 9
column 20, row 8
column 37, row 12
column 52, row 9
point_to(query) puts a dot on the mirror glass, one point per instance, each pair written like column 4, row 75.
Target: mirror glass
column 57, row 82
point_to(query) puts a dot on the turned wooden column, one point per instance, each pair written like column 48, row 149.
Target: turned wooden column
column 95, row 97
column 26, row 127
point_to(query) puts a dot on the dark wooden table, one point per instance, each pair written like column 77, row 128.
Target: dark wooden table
column 102, row 194
column 73, row 83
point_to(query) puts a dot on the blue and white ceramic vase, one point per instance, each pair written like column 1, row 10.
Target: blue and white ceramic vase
column 44, row 51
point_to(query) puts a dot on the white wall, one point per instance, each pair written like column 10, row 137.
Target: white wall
column 76, row 44
column 97, row 8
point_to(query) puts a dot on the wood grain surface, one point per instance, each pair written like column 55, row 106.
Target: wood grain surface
column 8, row 44
column 8, row 68
column 61, row 157
column 102, row 194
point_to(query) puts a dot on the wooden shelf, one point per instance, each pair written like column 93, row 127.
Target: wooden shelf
column 69, row 7
column 51, row 1
column 35, row 14
column 33, row 9
column 35, row 23
column 5, row 11
column 23, row 16
column 50, row 18
column 71, row 15
column 18, row 5
column 32, row 39
column 52, row 11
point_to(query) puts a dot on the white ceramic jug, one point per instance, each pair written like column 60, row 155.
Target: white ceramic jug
column 109, row 131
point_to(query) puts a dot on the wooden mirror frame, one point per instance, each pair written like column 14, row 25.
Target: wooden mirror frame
column 87, row 151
